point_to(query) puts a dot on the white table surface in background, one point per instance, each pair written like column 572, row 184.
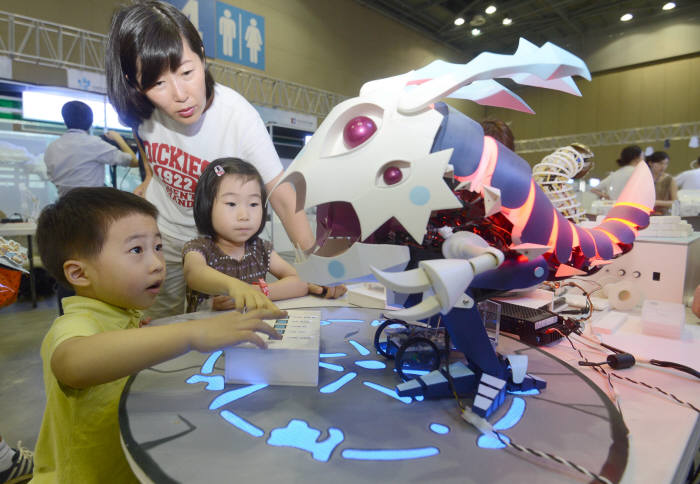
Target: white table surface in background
column 17, row 229
column 661, row 432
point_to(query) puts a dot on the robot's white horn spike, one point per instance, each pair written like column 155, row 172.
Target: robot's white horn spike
column 408, row 282
column 426, row 308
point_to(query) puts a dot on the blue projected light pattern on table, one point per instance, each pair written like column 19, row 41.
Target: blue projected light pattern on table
column 242, row 424
column 371, row 364
column 336, row 385
column 208, row 365
column 512, row 417
column 388, row 391
column 331, row 366
column 396, row 454
column 300, row 435
column 439, row 428
column 215, row 382
column 360, row 349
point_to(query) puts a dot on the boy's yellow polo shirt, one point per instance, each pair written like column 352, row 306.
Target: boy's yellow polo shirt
column 79, row 436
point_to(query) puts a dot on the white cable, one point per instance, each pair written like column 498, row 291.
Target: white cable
column 483, row 426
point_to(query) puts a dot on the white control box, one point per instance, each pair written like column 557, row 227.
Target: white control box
column 293, row 360
column 661, row 318
column 367, row 295
column 664, row 269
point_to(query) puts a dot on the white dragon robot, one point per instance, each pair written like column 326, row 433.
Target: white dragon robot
column 395, row 168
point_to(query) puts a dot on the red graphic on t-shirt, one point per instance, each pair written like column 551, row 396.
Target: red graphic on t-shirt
column 177, row 169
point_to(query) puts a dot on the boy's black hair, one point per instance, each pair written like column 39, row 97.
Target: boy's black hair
column 77, row 115
column 208, row 188
column 146, row 38
column 76, row 225
column 657, row 156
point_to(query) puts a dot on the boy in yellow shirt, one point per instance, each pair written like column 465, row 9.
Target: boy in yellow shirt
column 105, row 244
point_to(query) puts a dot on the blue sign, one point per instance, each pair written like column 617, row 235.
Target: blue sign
column 201, row 14
column 240, row 36
column 228, row 32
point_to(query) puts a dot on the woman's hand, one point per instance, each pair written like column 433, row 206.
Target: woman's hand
column 141, row 189
column 327, row 292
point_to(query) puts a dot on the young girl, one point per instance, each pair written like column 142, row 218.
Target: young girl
column 230, row 213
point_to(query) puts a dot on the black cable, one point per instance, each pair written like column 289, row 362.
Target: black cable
column 596, row 367
column 676, row 366
column 509, row 443
column 661, row 363
column 618, row 361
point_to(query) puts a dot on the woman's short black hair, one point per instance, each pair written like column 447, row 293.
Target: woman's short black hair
column 657, row 157
column 208, row 188
column 146, row 37
column 77, row 115
column 628, row 155
column 76, row 225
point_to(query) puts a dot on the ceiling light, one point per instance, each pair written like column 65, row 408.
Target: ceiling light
column 490, row 9
column 459, row 21
column 669, row 6
column 476, row 32
column 626, row 17
column 507, row 21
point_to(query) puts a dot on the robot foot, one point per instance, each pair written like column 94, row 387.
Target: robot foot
column 520, row 380
column 436, row 385
column 489, row 395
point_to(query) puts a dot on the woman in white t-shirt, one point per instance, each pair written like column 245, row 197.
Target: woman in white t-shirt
column 611, row 187
column 158, row 82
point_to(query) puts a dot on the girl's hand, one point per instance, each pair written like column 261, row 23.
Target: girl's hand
column 222, row 303
column 327, row 292
column 233, row 328
column 249, row 297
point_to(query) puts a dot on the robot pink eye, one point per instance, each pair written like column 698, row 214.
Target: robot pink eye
column 358, row 130
column 392, row 175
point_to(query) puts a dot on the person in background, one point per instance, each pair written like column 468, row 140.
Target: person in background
column 612, row 185
column 159, row 84
column 105, row 243
column 690, row 179
column 78, row 159
column 16, row 465
column 664, row 184
column 499, row 131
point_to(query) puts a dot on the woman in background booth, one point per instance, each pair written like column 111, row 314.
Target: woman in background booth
column 611, row 187
column 664, row 184
column 690, row 179
column 158, row 82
